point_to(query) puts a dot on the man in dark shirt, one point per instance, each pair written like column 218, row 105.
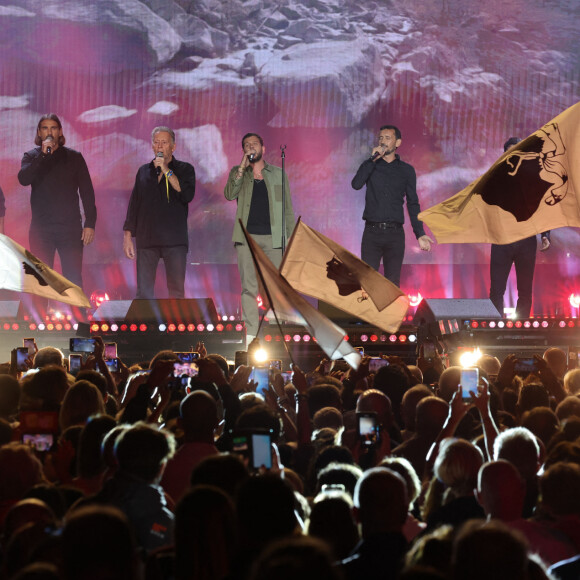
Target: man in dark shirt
column 257, row 188
column 389, row 180
column 157, row 217
column 58, row 175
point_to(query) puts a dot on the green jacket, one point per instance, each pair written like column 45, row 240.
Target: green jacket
column 241, row 191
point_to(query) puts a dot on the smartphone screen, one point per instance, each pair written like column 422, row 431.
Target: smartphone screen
column 30, row 344
column 261, row 451
column 187, row 357
column 376, row 363
column 189, row 369
column 525, row 365
column 469, row 382
column 367, row 428
column 110, row 350
column 82, row 345
column 261, row 375
column 40, row 441
column 21, row 358
column 429, row 351
column 276, row 364
column 75, row 362
column 113, row 365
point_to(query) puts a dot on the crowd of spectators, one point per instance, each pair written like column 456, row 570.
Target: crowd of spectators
column 141, row 474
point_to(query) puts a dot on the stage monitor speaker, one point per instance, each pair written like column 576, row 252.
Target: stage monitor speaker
column 433, row 309
column 10, row 309
column 336, row 314
column 173, row 310
column 112, row 310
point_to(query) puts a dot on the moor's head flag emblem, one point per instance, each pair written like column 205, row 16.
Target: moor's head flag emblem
column 346, row 281
column 529, row 171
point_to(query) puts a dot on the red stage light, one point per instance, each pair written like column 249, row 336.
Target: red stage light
column 229, row 327
column 50, row 326
column 219, row 327
column 287, row 338
column 191, row 327
column 364, row 338
column 181, row 327
column 509, row 324
column 67, row 326
column 268, row 338
column 306, row 338
column 403, row 338
column 393, row 338
column 133, row 328
column 58, row 326
column 475, row 324
column 544, row 324
column 104, row 328
column 374, row 338
column 239, row 327
column 6, row 326
column 94, row 328
column 98, row 297
column 296, row 338
column 32, row 326
column 124, row 328
column 527, row 324
column 143, row 327
column 571, row 324
column 200, row 328
column 171, row 328
column 518, row 323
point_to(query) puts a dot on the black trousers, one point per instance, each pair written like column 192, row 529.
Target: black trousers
column 387, row 244
column 147, row 261
column 45, row 242
column 523, row 255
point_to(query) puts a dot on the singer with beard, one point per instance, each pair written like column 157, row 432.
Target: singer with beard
column 58, row 176
column 257, row 188
column 157, row 217
column 388, row 180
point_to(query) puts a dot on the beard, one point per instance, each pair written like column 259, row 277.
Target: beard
column 257, row 157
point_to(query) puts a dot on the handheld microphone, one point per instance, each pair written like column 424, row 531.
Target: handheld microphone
column 377, row 153
column 159, row 154
column 251, row 157
column 49, row 149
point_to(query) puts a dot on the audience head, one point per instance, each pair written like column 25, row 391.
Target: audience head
column 48, row 387
column 80, row 402
column 501, row 490
column 328, row 417
column 97, row 542
column 265, row 508
column 484, row 550
column 393, row 382
column 9, row 396
column 457, row 465
column 568, row 407
column 335, row 473
column 448, row 382
column 321, row 395
column 409, row 404
column 260, row 417
column 375, row 401
column 381, row 501
column 48, row 356
column 542, row 422
column 305, row 558
column 225, row 471
column 430, row 416
column 532, row 395
column 559, row 486
column 142, row 451
column 572, row 381
column 205, row 533
column 520, row 447
column 404, row 468
column 90, row 460
column 20, row 469
column 199, row 416
column 557, row 360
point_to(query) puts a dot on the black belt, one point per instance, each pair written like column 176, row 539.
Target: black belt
column 384, row 225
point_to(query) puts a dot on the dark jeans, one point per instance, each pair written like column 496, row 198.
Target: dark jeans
column 388, row 244
column 523, row 255
column 44, row 243
column 147, row 261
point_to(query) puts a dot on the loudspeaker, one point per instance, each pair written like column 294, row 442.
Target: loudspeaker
column 336, row 314
column 112, row 310
column 433, row 309
column 10, row 309
column 172, row 310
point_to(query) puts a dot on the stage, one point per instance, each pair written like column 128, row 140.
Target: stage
column 142, row 328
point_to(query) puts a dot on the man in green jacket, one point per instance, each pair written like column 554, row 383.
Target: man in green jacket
column 257, row 188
